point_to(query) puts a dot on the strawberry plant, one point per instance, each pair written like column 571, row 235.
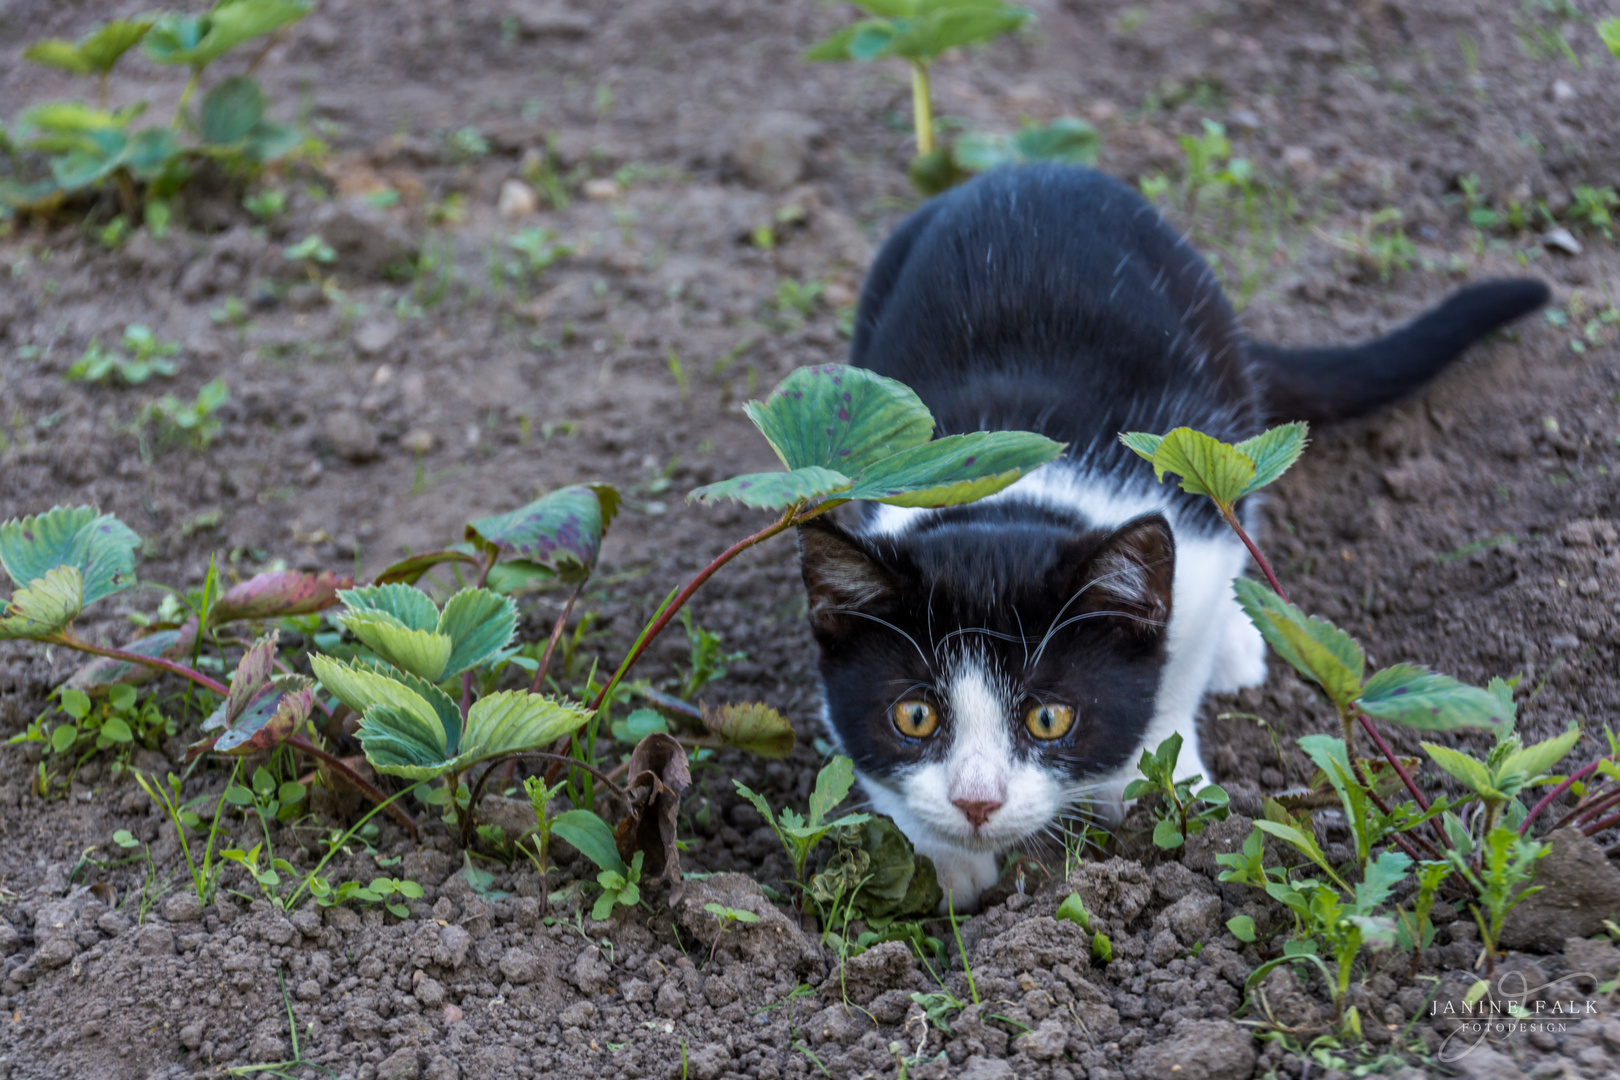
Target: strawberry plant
column 919, row 32
column 1489, row 848
column 425, row 684
column 67, row 149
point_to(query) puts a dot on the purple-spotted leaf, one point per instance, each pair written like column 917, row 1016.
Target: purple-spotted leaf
column 252, row 673
column 409, row 571
column 104, row 672
column 953, row 470
column 841, row 418
column 754, row 727
column 99, row 547
column 1416, row 697
column 278, row 593
column 270, row 717
column 560, row 532
column 775, row 490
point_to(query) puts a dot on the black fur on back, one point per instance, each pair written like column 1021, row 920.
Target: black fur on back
column 1055, row 299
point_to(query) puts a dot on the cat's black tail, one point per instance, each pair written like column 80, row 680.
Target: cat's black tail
column 1339, row 382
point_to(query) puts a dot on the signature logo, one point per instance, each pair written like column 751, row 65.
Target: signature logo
column 1512, row 1008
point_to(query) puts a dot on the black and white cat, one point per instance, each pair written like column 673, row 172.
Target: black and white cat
column 991, row 666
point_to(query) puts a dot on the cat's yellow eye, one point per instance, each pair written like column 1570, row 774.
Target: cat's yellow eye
column 1049, row 721
column 915, row 719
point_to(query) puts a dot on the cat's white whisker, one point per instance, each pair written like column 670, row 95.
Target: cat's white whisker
column 890, row 625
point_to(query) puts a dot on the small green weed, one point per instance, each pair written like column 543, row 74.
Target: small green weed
column 151, row 357
column 191, row 423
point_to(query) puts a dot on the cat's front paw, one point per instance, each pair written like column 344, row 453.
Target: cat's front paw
column 963, row 875
column 1240, row 661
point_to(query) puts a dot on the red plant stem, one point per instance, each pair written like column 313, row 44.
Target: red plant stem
column 1598, row 826
column 787, row 519
column 685, row 594
column 1588, row 810
column 299, row 741
column 1547, row 799
column 72, row 642
column 341, row 767
column 1260, row 560
column 557, row 629
column 1395, row 762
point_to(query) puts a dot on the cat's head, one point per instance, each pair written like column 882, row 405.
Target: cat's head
column 988, row 665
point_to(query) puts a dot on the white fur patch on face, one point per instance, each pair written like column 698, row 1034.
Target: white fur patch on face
column 979, row 767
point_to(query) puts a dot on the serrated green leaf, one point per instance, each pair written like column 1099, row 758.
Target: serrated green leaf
column 592, row 837
column 410, row 606
column 1470, row 772
column 513, row 721
column 775, row 490
column 419, row 652
column 99, row 546
column 1416, row 697
column 1379, row 880
column 841, row 418
column 1314, row 647
column 1273, row 452
column 230, row 110
column 1205, row 465
column 955, row 469
column 360, row 688
column 756, row 728
column 48, row 604
column 561, row 531
column 479, row 623
column 1532, row 761
column 395, row 743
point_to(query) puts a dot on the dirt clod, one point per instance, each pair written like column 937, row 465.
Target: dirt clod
column 1580, row 886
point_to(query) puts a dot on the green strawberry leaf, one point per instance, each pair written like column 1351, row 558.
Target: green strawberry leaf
column 955, row 469
column 99, row 546
column 775, row 490
column 840, row 418
column 1315, row 647
column 1416, row 697
column 560, row 532
column 46, row 606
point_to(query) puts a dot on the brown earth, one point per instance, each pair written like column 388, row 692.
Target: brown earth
column 1473, row 529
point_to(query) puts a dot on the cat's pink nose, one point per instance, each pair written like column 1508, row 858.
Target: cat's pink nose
column 977, row 813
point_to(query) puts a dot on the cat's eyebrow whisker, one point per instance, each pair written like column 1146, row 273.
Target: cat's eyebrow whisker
column 891, row 626
column 1088, row 615
column 1078, row 593
column 1022, row 639
column 981, row 630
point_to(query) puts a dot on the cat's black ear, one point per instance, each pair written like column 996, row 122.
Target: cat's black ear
column 840, row 576
column 1132, row 572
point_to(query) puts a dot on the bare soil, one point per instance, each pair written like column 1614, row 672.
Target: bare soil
column 1472, row 529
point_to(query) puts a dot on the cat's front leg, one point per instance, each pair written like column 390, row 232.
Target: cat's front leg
column 963, row 874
